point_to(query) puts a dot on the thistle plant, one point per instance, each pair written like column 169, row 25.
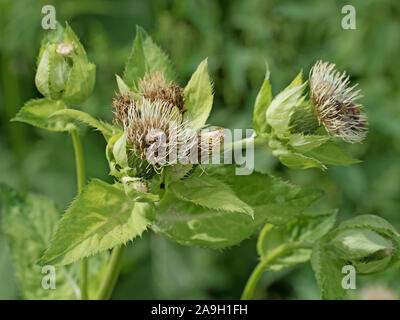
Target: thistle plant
column 155, row 147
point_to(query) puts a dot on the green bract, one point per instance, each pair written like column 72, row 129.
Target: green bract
column 290, row 126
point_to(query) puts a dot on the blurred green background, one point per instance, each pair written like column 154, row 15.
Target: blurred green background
column 237, row 36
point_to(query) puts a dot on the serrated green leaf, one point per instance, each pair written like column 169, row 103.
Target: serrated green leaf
column 38, row 113
column 369, row 221
column 157, row 60
column 146, row 56
column 327, row 270
column 29, row 222
column 294, row 237
column 293, row 159
column 71, row 114
column 210, row 193
column 198, row 97
column 263, row 100
column 271, row 199
column 136, row 65
column 330, row 154
column 100, row 218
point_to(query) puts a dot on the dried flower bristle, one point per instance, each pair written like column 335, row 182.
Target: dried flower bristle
column 334, row 103
column 154, row 87
column 150, row 121
column 154, row 126
column 121, row 105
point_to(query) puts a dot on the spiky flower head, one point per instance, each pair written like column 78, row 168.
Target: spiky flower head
column 334, row 101
column 154, row 126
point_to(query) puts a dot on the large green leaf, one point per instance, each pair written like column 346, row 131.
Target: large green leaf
column 295, row 237
column 210, row 193
column 271, row 199
column 100, row 218
column 29, row 222
column 198, row 97
column 38, row 113
column 146, row 56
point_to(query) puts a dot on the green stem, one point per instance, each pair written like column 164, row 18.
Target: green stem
column 242, row 144
column 263, row 264
column 81, row 179
column 112, row 273
column 258, row 271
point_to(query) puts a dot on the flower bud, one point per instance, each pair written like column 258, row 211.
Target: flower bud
column 367, row 250
column 63, row 71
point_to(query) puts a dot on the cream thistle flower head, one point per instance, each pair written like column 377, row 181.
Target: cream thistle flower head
column 154, row 126
column 334, row 102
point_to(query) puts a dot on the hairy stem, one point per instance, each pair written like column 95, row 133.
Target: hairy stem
column 81, row 179
column 112, row 273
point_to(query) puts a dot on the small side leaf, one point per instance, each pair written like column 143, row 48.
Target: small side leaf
column 38, row 113
column 146, row 56
column 282, row 106
column 198, row 97
column 263, row 100
column 330, row 154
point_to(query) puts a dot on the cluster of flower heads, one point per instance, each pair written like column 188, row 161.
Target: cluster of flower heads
column 154, row 126
column 334, row 102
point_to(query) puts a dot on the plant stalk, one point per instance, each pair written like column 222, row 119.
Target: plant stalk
column 112, row 273
column 248, row 291
column 81, row 180
column 258, row 271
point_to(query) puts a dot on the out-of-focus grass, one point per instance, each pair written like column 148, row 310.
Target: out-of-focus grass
column 237, row 36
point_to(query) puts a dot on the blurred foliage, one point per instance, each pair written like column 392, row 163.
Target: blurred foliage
column 237, row 36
